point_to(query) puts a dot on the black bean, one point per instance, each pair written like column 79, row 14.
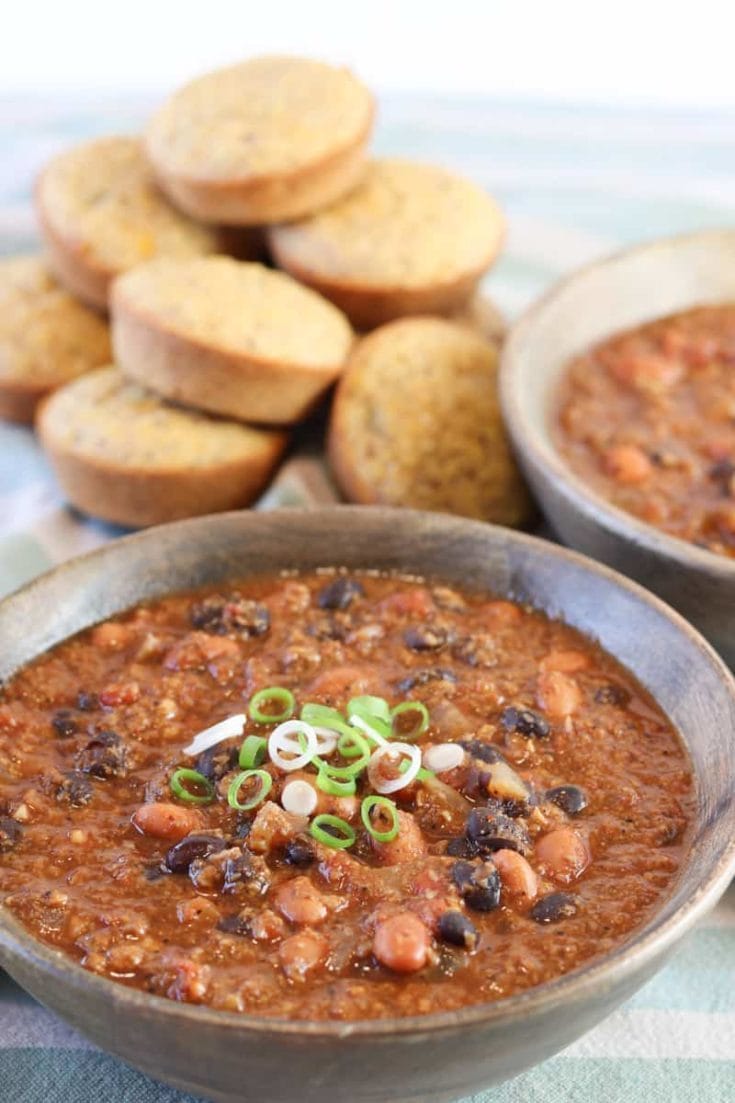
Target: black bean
column 456, row 928
column 243, row 828
column 299, row 852
column 525, row 721
column 612, row 694
column 232, row 616
column 217, row 761
column 246, row 870
column 723, row 473
column 64, row 723
column 340, row 593
column 570, row 798
column 554, row 906
column 422, row 637
column 153, row 871
column 421, row 677
column 486, row 752
column 105, row 756
column 87, row 702
column 477, row 650
column 234, row 924
column 461, row 848
column 182, row 854
column 478, row 884
column 75, row 789
column 10, row 833
column 491, row 830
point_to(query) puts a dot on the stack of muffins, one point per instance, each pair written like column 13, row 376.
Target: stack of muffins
column 182, row 404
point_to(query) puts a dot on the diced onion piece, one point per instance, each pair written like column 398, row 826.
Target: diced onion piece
column 504, row 782
column 370, row 732
column 281, row 740
column 229, row 728
column 394, row 750
column 299, row 797
column 443, row 756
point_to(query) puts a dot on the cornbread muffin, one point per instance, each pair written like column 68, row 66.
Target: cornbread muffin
column 269, row 139
column 100, row 213
column 46, row 336
column 122, row 454
column 416, row 422
column 229, row 337
column 412, row 239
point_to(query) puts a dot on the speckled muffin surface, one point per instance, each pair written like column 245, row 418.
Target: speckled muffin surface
column 46, row 336
column 123, row 454
column 101, row 212
column 229, row 337
column 413, row 238
column 269, row 138
column 416, row 422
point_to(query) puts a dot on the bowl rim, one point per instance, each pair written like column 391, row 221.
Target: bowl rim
column 643, row 945
column 546, row 457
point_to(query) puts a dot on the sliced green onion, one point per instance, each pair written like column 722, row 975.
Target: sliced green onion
column 420, row 725
column 422, row 774
column 385, row 806
column 274, row 695
column 182, row 779
column 252, row 752
column 322, row 716
column 319, row 829
column 374, row 711
column 335, row 786
column 353, row 745
column 266, row 784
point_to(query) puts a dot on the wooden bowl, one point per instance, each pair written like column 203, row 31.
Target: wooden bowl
column 624, row 290
column 228, row 1057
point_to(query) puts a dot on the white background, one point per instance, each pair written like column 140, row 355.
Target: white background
column 624, row 52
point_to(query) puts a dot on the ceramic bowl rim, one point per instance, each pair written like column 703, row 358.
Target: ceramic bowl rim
column 649, row 941
column 546, row 457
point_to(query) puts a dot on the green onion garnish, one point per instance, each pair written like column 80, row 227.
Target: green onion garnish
column 272, row 695
column 252, row 752
column 386, row 807
column 375, row 711
column 181, row 782
column 354, row 745
column 422, row 774
column 264, row 788
column 319, row 829
column 322, row 716
column 335, row 786
column 421, row 719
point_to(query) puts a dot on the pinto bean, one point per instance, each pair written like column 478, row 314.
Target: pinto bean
column 558, row 694
column 167, row 821
column 408, row 844
column 562, row 854
column 516, row 874
column 300, row 901
column 340, row 593
column 401, row 943
column 627, row 464
column 568, row 662
column 301, row 953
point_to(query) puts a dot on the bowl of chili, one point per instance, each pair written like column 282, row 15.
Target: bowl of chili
column 307, row 802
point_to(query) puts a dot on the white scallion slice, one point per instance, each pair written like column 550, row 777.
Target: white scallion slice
column 229, row 728
column 326, row 741
column 299, row 797
column 395, row 751
column 358, row 722
column 281, row 742
column 443, row 756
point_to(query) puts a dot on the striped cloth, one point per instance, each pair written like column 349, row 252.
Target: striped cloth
column 576, row 183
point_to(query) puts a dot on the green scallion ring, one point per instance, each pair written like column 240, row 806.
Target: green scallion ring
column 385, row 806
column 353, row 746
column 318, row 830
column 182, row 778
column 266, row 784
column 252, row 752
column 335, row 786
column 279, row 695
column 419, row 728
column 322, row 716
column 375, row 711
column 422, row 774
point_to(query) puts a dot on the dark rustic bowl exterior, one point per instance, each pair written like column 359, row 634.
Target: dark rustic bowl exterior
column 227, row 1057
column 617, row 293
